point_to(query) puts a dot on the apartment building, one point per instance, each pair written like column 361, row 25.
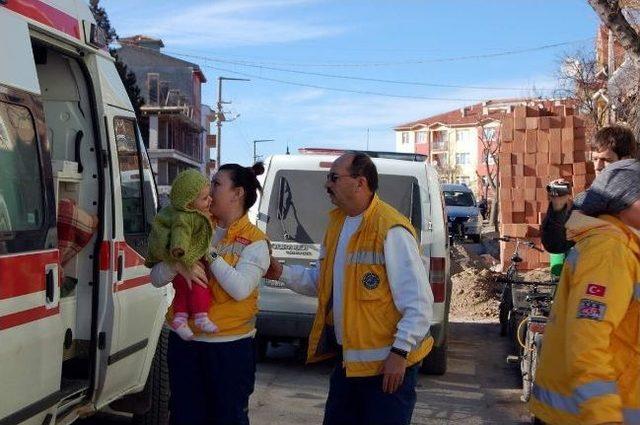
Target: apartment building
column 174, row 125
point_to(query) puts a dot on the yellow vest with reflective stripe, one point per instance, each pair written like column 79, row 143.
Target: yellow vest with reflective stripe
column 233, row 317
column 370, row 317
column 589, row 368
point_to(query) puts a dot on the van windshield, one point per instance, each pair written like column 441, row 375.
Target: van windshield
column 454, row 198
column 299, row 204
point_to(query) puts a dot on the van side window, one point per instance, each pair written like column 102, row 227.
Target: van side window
column 21, row 193
column 139, row 199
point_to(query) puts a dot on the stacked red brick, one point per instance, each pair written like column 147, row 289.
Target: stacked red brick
column 538, row 145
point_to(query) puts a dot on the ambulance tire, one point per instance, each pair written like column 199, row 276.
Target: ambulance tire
column 157, row 386
column 436, row 361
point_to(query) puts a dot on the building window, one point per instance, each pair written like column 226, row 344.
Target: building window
column 421, row 137
column 463, row 158
column 405, row 137
column 439, row 140
column 489, row 134
column 489, row 159
column 462, row 136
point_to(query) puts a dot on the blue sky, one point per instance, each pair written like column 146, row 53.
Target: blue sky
column 428, row 42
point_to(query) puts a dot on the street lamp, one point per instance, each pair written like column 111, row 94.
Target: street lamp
column 255, row 157
column 220, row 115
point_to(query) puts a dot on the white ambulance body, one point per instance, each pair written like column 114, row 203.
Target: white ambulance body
column 72, row 340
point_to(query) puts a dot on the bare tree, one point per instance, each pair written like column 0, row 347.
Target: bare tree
column 613, row 16
column 610, row 11
column 491, row 141
column 581, row 79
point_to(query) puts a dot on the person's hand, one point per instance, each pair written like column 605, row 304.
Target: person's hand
column 558, row 203
column 274, row 272
column 196, row 275
column 393, row 370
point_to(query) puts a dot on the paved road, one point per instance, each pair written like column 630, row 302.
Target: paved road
column 480, row 388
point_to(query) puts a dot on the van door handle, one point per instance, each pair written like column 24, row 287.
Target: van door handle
column 120, row 268
column 50, row 286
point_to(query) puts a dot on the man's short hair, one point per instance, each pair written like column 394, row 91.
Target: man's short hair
column 618, row 138
column 362, row 165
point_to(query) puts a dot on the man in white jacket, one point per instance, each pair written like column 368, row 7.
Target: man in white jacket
column 375, row 302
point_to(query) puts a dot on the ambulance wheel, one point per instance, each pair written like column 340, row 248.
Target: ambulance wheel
column 436, row 361
column 157, row 386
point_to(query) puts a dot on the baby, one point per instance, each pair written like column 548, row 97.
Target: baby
column 182, row 232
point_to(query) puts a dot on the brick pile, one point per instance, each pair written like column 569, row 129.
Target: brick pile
column 538, row 145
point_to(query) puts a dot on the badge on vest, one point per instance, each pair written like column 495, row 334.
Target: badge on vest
column 593, row 310
column 370, row 280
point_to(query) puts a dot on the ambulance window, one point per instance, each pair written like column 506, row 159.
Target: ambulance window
column 21, row 193
column 129, row 160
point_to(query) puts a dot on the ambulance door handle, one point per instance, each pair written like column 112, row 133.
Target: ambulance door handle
column 78, row 141
column 50, row 286
column 120, row 266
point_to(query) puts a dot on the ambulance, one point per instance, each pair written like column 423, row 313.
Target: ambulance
column 78, row 337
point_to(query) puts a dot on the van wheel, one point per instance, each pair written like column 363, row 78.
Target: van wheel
column 436, row 361
column 475, row 238
column 157, row 386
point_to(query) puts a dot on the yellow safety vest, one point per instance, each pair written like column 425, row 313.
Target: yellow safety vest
column 233, row 317
column 370, row 316
column 589, row 370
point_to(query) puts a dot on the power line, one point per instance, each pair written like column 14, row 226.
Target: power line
column 348, row 77
column 422, row 61
column 314, row 86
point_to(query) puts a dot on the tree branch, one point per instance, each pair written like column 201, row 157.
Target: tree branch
column 611, row 14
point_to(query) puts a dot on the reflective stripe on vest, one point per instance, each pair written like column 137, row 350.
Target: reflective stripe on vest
column 572, row 257
column 365, row 257
column 233, row 248
column 367, row 355
column 631, row 416
column 570, row 404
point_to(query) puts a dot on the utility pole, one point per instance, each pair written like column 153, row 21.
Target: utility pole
column 367, row 139
column 255, row 156
column 220, row 116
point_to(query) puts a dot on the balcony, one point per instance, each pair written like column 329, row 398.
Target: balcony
column 439, row 145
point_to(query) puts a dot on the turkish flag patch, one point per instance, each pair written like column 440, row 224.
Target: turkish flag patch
column 243, row 241
column 596, row 290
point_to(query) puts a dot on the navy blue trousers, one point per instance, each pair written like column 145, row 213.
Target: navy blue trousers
column 210, row 382
column 361, row 400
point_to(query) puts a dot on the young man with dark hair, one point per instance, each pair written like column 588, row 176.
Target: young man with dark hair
column 610, row 144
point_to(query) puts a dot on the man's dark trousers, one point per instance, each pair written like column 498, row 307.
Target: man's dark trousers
column 361, row 400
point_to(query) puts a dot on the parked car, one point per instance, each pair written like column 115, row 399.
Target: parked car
column 462, row 209
column 293, row 212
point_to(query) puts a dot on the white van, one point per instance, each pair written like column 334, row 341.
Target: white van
column 293, row 211
column 73, row 339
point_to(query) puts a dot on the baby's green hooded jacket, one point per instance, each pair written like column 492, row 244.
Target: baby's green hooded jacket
column 181, row 226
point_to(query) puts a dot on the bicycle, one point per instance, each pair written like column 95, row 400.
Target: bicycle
column 537, row 305
column 510, row 276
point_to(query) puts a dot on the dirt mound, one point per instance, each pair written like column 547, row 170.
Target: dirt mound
column 475, row 294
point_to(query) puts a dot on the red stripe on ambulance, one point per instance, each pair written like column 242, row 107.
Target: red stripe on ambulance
column 24, row 274
column 47, row 15
column 26, row 316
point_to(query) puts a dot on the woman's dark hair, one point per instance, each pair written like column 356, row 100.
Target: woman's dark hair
column 245, row 177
